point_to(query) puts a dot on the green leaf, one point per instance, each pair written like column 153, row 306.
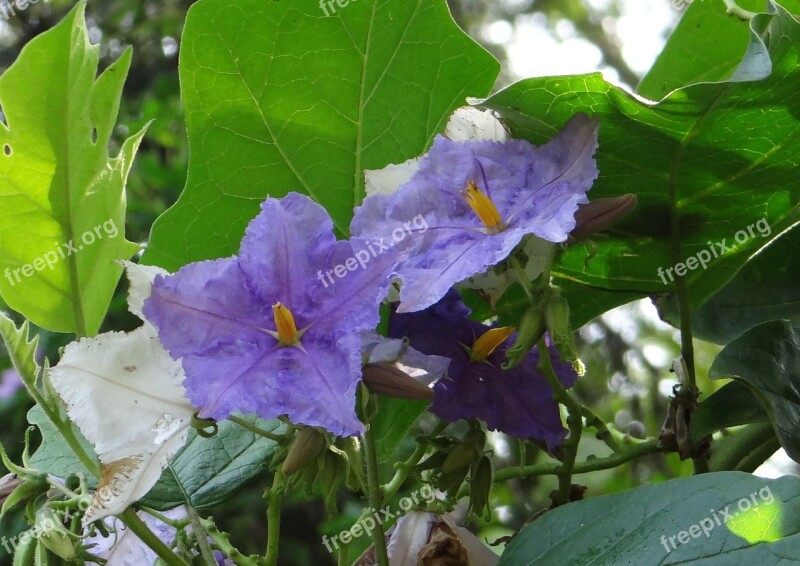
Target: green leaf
column 765, row 289
column 54, row 456
column 207, row 471
column 728, row 151
column 642, row 526
column 392, row 421
column 767, row 358
column 281, row 98
column 57, row 183
column 733, row 405
column 21, row 349
column 689, row 57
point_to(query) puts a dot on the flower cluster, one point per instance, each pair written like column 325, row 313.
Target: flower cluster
column 256, row 334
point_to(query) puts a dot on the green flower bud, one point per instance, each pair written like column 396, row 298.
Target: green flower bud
column 305, row 448
column 531, row 329
column 25, row 551
column 53, row 535
column 27, row 490
column 557, row 314
column 385, row 379
column 480, row 485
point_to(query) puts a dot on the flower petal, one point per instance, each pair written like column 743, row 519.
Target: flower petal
column 141, row 279
column 387, row 180
column 124, row 392
column 468, row 123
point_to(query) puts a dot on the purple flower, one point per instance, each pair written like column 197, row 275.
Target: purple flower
column 270, row 331
column 518, row 401
column 479, row 199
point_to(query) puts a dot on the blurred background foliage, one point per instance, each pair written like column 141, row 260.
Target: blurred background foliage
column 627, row 351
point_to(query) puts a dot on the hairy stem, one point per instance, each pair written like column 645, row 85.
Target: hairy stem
column 254, row 429
column 375, row 497
column 574, row 421
column 274, row 495
column 552, row 468
column 131, row 520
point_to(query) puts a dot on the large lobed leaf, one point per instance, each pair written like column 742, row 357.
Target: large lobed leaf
column 627, row 528
column 280, row 97
column 728, row 151
column 57, row 183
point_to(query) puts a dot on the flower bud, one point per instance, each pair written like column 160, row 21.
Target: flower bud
column 460, row 457
column 480, row 485
column 306, row 446
column 557, row 315
column 385, row 379
column 53, row 534
column 25, row 491
column 601, row 214
column 531, row 330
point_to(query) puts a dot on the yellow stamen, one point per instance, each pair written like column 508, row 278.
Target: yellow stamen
column 489, row 341
column 284, row 323
column 483, row 206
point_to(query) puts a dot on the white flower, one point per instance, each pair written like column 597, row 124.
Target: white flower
column 125, row 394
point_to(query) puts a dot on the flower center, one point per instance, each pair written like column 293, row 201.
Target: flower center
column 284, row 323
column 488, row 342
column 483, row 207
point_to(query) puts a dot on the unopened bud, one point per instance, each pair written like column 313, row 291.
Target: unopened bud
column 557, row 315
column 385, row 379
column 25, row 491
column 600, row 214
column 480, row 485
column 54, row 536
column 531, row 330
column 25, row 551
column 305, row 448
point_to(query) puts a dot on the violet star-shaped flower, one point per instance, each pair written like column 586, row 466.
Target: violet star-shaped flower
column 518, row 401
column 479, row 199
column 263, row 332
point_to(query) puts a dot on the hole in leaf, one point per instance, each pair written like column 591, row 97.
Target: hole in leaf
column 94, row 135
column 7, row 149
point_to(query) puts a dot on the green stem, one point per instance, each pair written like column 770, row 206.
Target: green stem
column 179, row 524
column 274, row 496
column 254, row 429
column 682, row 291
column 404, row 469
column 375, row 499
column 734, row 9
column 603, row 432
column 552, row 468
column 201, row 535
column 222, row 542
column 574, row 421
column 523, row 278
column 131, row 520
